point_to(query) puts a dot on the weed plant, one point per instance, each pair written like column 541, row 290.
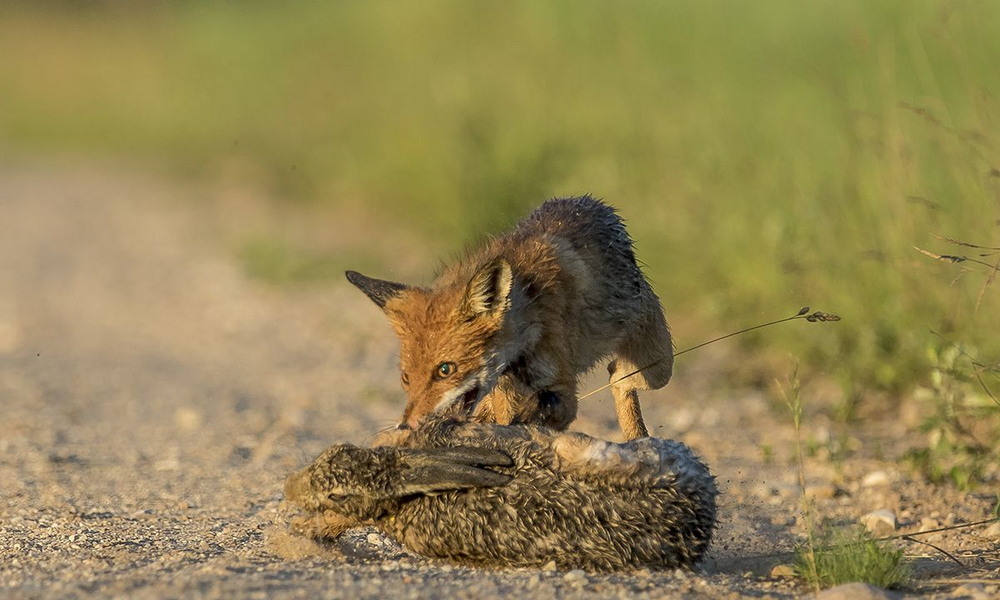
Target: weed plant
column 831, row 557
column 848, row 555
column 963, row 424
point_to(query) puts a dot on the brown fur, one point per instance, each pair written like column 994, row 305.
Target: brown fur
column 490, row 495
column 519, row 320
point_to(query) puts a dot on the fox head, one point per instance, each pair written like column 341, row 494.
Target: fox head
column 456, row 337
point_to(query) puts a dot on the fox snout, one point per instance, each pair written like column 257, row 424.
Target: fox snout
column 460, row 402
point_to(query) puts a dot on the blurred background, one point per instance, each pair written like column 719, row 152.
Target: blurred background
column 766, row 155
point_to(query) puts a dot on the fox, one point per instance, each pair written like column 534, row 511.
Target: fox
column 503, row 334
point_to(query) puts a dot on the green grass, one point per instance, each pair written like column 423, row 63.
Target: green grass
column 833, row 556
column 767, row 155
column 849, row 555
column 963, row 423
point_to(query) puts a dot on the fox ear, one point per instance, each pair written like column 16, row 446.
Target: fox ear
column 488, row 291
column 379, row 290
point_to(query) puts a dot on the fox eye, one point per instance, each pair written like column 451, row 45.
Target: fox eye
column 405, row 378
column 444, row 370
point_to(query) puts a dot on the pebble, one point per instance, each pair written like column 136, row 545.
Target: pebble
column 187, row 419
column 992, row 532
column 550, row 566
column 783, row 571
column 879, row 522
column 876, row 479
column 929, row 524
column 575, row 576
column 374, row 539
column 821, row 491
column 856, row 591
column 10, row 336
column 682, row 420
column 971, row 591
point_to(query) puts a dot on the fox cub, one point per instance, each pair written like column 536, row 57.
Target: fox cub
column 503, row 334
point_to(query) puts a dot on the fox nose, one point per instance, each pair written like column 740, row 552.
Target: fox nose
column 403, row 426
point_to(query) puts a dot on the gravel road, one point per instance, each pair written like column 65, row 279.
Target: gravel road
column 154, row 399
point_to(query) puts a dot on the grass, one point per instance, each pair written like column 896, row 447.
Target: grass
column 808, row 569
column 766, row 154
column 963, row 423
column 829, row 558
column 849, row 555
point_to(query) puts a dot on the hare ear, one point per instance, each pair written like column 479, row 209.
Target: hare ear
column 488, row 292
column 379, row 290
column 443, row 469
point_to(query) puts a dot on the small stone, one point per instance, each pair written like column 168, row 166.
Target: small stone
column 992, row 532
column 187, row 419
column 782, row 571
column 876, row 479
column 10, row 336
column 575, row 576
column 971, row 591
column 821, row 491
column 879, row 522
column 783, row 520
column 682, row 419
column 374, row 539
column 929, row 524
column 550, row 566
column 856, row 591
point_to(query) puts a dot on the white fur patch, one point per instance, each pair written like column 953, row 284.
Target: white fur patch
column 455, row 394
column 601, row 451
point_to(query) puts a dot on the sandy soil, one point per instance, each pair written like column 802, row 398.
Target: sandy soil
column 154, row 399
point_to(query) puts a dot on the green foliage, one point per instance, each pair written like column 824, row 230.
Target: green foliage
column 963, row 427
column 848, row 555
column 766, row 154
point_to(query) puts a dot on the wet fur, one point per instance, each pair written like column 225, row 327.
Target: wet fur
column 527, row 313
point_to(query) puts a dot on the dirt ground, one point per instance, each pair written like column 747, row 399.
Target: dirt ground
column 153, row 400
